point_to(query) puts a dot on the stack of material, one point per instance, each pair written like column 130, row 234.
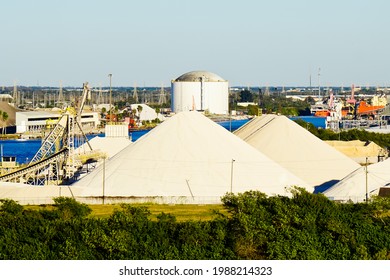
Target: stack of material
column 34, row 195
column 360, row 150
column 371, row 181
column 187, row 159
column 296, row 149
column 147, row 113
column 108, row 145
column 27, row 194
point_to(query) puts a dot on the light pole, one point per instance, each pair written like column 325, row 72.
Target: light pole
column 231, row 176
column 230, row 121
column 109, row 110
column 319, row 87
column 366, row 173
column 104, row 178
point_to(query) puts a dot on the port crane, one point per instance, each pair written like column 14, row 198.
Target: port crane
column 56, row 161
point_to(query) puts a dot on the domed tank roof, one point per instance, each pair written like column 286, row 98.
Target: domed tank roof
column 195, row 76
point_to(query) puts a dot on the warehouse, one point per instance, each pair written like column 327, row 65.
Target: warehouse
column 30, row 121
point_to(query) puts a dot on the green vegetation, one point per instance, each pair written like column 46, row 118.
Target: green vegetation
column 284, row 106
column 381, row 139
column 3, row 121
column 182, row 212
column 252, row 226
column 277, row 104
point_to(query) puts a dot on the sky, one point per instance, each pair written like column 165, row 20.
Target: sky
column 150, row 42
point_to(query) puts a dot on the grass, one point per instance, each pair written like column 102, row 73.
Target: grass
column 182, row 212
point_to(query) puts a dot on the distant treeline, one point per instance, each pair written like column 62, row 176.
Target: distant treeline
column 304, row 227
column 381, row 139
column 271, row 104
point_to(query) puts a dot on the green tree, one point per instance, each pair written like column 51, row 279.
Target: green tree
column 3, row 118
column 307, row 226
column 69, row 208
column 253, row 110
column 10, row 206
column 246, row 96
column 139, row 109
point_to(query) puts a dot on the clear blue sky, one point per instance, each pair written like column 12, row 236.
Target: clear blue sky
column 150, row 42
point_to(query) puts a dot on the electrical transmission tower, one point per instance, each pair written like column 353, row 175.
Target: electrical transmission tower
column 60, row 95
column 135, row 95
column 100, row 96
column 15, row 95
column 162, row 99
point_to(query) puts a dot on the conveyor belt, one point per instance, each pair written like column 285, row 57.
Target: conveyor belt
column 34, row 168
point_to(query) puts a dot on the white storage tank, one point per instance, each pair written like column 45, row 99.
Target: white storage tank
column 200, row 91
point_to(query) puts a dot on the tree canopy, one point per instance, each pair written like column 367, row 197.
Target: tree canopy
column 304, row 227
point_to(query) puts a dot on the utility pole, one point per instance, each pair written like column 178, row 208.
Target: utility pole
column 230, row 121
column 231, row 176
column 100, row 97
column 135, row 95
column 109, row 110
column 319, row 87
column 104, row 178
column 15, row 95
column 60, row 100
column 366, row 171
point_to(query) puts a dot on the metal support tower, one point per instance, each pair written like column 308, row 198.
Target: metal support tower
column 49, row 143
column 15, row 95
column 319, row 87
column 135, row 95
column 162, row 98
column 56, row 159
column 110, row 109
column 100, row 96
column 71, row 164
column 60, row 95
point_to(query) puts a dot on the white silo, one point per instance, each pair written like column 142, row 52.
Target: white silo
column 200, row 91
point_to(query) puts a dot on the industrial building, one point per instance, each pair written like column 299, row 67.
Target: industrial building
column 200, row 91
column 33, row 121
